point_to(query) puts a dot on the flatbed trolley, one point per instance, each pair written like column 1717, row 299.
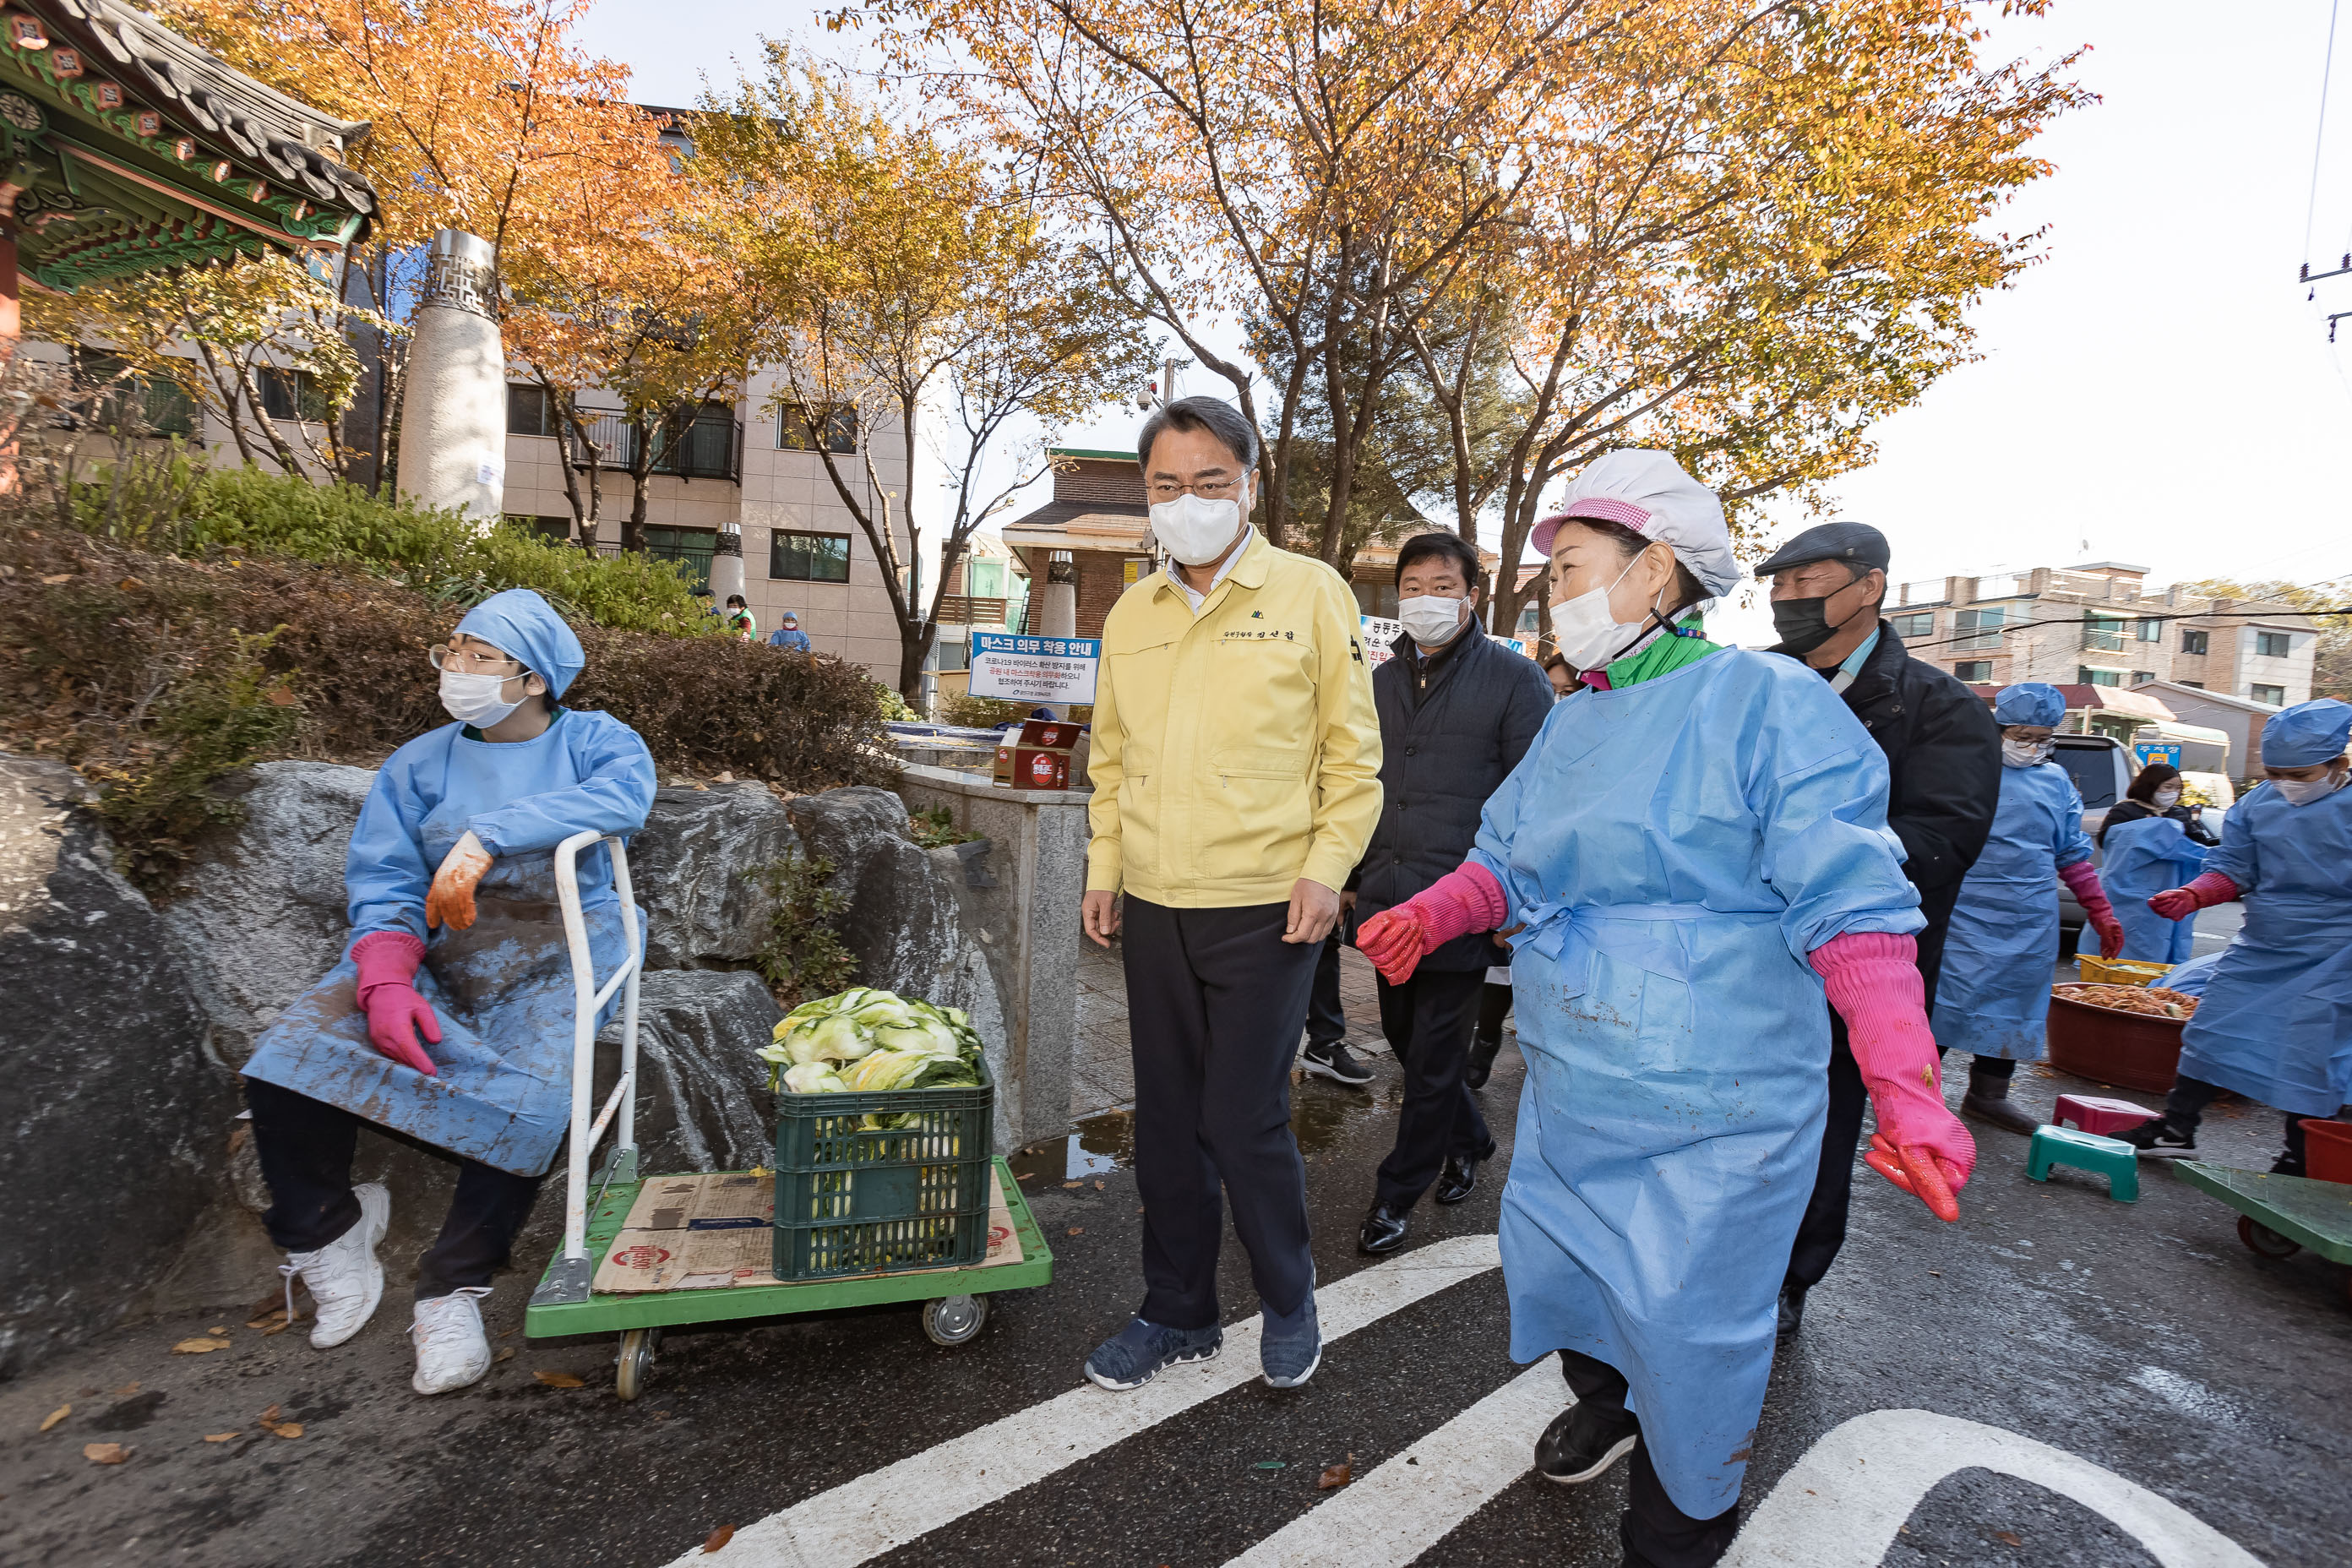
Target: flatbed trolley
column 954, row 1301
column 2278, row 1217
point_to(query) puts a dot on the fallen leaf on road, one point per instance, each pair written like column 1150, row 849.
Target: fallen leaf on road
column 54, row 578
column 1027, row 1176
column 105, row 1453
column 1067, row 1185
column 506, row 1354
column 218, row 1329
column 1335, row 1476
column 1936, row 1272
column 1077, row 1230
column 268, row 1416
column 559, row 1380
column 198, row 1346
column 2008, row 1538
column 1098, row 1186
column 289, row 1430
column 719, row 1538
column 126, row 1388
column 222, row 1437
column 1271, row 1465
column 54, row 1416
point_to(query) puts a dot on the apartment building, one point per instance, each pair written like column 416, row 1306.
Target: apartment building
column 2100, row 625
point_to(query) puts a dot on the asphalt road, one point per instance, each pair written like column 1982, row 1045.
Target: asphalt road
column 2139, row 1344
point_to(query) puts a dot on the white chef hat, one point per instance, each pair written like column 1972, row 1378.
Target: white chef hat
column 1649, row 493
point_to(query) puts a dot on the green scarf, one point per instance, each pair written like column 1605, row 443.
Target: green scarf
column 1662, row 656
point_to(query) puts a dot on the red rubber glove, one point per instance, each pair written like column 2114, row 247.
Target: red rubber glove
column 2083, row 880
column 1465, row 900
column 2212, row 887
column 1873, row 981
column 386, row 991
column 450, row 900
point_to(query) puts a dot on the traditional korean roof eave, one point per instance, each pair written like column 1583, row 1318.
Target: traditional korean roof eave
column 127, row 148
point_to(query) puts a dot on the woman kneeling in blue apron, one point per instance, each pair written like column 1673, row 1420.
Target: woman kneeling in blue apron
column 2275, row 1022
column 2145, row 857
column 1695, row 847
column 1994, row 998
column 457, row 938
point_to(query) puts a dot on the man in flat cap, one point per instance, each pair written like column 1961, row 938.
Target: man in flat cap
column 1943, row 759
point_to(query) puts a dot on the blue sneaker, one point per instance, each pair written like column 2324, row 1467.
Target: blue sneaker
column 1290, row 1348
column 1139, row 1351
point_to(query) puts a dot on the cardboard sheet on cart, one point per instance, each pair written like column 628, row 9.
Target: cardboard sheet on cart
column 715, row 1232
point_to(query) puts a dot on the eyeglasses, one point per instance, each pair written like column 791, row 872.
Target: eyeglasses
column 1207, row 489
column 468, row 662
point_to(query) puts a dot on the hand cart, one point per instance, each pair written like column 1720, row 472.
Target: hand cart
column 955, row 1299
column 2278, row 1217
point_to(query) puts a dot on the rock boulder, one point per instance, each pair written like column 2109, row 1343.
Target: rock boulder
column 702, row 1097
column 695, row 869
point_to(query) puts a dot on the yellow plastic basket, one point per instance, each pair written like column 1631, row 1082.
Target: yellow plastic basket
column 2098, row 970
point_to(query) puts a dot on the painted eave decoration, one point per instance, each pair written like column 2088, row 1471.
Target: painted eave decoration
column 127, row 148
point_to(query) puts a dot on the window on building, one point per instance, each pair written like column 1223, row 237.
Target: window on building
column 292, row 394
column 2272, row 645
column 1975, row 670
column 1911, row 628
column 1530, row 621
column 2193, row 642
column 809, row 557
column 2086, row 676
column 555, row 530
column 2192, row 685
column 1980, row 628
column 2273, row 695
column 955, row 654
column 2150, row 629
column 2142, row 677
column 529, row 411
column 986, row 579
column 797, row 430
column 2103, row 634
column 690, row 547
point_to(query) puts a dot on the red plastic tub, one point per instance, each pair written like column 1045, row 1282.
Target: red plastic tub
column 2129, row 1051
column 2327, row 1150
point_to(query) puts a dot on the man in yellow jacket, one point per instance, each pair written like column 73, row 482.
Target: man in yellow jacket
column 1235, row 767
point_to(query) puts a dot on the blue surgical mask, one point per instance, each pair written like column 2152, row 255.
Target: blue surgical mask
column 2026, row 754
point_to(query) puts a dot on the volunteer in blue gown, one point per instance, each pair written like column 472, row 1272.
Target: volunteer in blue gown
column 450, row 1017
column 2143, row 858
column 1696, row 849
column 2275, row 1021
column 1994, row 998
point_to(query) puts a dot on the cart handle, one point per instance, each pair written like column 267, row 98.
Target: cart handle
column 588, row 998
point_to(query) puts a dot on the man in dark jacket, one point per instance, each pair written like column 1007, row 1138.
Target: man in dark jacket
column 1457, row 711
column 1943, row 760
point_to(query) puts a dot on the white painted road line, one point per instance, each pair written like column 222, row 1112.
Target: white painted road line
column 1840, row 1505
column 1398, row 1513
column 885, row 1508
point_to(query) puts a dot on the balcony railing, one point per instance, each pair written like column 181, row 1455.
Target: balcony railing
column 2104, row 637
column 964, row 610
column 705, row 448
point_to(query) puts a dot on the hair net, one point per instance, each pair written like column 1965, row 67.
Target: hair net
column 2029, row 702
column 2307, row 733
column 519, row 624
column 1649, row 493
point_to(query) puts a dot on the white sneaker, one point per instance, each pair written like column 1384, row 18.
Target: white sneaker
column 451, row 1348
column 345, row 1281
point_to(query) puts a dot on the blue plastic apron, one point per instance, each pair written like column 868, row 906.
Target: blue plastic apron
column 1993, row 998
column 2147, row 855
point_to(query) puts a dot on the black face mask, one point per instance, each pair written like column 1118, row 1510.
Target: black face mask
column 1802, row 624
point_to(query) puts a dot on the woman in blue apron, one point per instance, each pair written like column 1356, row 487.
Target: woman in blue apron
column 450, row 1017
column 2275, row 1021
column 1994, row 998
column 2145, row 857
column 1696, row 847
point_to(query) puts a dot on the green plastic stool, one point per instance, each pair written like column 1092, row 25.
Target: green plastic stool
column 2088, row 1152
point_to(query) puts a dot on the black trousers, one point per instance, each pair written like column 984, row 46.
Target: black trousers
column 1326, row 1021
column 1215, row 999
column 1654, row 1532
column 1494, row 1006
column 1821, row 1232
column 2185, row 1107
column 306, row 1148
column 1428, row 1021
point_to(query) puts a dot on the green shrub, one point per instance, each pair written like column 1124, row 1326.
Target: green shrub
column 987, row 712
column 893, row 707
column 934, row 829
column 803, row 957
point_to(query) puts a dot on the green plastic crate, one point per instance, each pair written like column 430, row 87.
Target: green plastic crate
column 855, row 1200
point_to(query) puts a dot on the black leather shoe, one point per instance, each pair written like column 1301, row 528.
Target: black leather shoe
column 1585, row 1440
column 1384, row 1229
column 1459, row 1179
column 1793, row 1311
column 1483, row 1053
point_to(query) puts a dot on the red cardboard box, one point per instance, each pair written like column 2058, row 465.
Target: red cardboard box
column 1042, row 756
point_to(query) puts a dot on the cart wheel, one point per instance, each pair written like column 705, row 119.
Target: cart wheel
column 2263, row 1239
column 635, row 1362
column 953, row 1320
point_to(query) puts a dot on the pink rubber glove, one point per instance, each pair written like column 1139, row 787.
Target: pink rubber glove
column 386, row 991
column 1873, row 981
column 2212, row 887
column 1465, row 900
column 2083, row 880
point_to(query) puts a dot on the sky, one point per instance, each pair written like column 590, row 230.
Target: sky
column 2156, row 391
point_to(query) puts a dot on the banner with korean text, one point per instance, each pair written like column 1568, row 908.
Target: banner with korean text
column 1034, row 669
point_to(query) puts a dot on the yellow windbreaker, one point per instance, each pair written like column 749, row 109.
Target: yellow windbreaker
column 1236, row 750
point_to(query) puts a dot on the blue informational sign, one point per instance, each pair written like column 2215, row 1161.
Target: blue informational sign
column 2157, row 752
column 1033, row 668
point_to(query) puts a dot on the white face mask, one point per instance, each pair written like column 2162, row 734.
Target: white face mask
column 1587, row 632
column 1430, row 619
column 2026, row 754
column 2302, row 792
column 474, row 699
column 2167, row 796
column 1196, row 532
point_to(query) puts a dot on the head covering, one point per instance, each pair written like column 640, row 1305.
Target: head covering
column 2153, row 777
column 792, row 616
column 519, row 624
column 1649, row 493
column 2032, row 702
column 2307, row 733
column 1857, row 545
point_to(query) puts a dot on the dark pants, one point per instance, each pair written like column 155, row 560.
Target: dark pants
column 1326, row 1021
column 1654, row 1532
column 1494, row 1006
column 1428, row 1021
column 1215, row 999
column 2184, row 1107
column 1822, row 1230
column 306, row 1148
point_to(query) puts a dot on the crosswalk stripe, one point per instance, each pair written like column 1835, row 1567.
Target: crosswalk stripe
column 1394, row 1515
column 885, row 1508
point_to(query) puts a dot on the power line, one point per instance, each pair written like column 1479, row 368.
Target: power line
column 2320, row 138
column 2004, row 629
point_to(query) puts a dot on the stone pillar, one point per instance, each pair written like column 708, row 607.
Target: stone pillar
column 1057, row 601
column 453, row 420
column 727, row 565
